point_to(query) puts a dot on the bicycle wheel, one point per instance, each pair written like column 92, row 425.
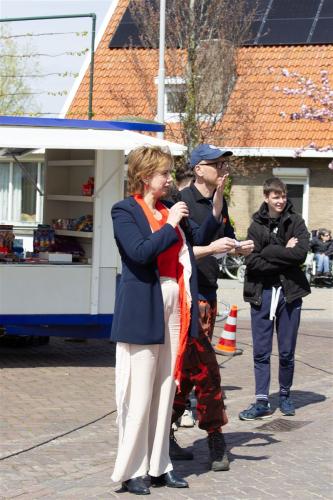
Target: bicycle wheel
column 223, row 310
column 241, row 273
column 231, row 265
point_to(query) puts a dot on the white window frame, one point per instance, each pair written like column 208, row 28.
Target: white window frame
column 177, row 117
column 39, row 198
column 170, row 80
column 294, row 175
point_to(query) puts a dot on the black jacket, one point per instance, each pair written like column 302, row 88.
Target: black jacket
column 200, row 207
column 317, row 245
column 271, row 262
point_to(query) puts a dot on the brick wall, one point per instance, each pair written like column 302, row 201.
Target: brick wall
column 321, row 197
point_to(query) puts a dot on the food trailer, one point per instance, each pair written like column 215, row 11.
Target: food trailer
column 49, row 293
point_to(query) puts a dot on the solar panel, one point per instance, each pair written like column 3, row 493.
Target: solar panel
column 327, row 9
column 253, row 32
column 282, row 31
column 261, row 7
column 127, row 33
column 277, row 22
column 291, row 9
column 296, row 22
column 323, row 32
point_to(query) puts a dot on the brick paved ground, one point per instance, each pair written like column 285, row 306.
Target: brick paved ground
column 58, row 431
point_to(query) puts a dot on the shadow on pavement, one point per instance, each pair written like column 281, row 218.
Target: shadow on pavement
column 59, row 352
column 244, row 440
column 300, row 398
column 231, row 388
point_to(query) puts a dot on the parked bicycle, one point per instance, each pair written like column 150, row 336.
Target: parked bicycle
column 233, row 266
column 223, row 310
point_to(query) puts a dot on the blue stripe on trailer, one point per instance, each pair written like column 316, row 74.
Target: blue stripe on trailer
column 96, row 326
column 56, row 319
column 80, row 124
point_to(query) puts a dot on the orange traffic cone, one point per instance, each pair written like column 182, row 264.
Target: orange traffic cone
column 227, row 343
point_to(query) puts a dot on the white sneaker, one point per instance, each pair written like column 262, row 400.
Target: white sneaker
column 174, row 426
column 187, row 420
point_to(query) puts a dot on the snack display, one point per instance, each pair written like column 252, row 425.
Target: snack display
column 6, row 239
column 83, row 223
column 43, row 238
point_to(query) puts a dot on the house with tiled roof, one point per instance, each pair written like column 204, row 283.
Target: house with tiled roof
column 256, row 124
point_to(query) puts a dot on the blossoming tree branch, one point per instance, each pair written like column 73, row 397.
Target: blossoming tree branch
column 318, row 105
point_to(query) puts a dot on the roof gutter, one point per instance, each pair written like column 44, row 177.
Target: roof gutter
column 279, row 152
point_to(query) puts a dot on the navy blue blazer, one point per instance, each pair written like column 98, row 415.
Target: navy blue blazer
column 139, row 312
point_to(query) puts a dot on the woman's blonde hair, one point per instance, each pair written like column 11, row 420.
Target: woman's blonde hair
column 143, row 162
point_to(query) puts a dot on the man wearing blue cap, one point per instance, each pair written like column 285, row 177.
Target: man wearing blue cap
column 200, row 367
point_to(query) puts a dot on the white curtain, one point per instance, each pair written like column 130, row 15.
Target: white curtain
column 17, row 194
column 4, row 184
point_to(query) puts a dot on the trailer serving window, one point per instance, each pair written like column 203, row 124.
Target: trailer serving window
column 20, row 202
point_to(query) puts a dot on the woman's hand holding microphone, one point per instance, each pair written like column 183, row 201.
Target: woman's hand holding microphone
column 177, row 212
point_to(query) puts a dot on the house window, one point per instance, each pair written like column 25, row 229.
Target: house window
column 175, row 98
column 20, row 202
column 297, row 182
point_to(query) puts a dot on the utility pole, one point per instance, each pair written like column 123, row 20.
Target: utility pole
column 161, row 69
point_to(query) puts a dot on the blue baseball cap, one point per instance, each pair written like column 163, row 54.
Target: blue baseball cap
column 207, row 152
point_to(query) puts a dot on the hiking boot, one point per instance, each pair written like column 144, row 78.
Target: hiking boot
column 186, row 420
column 175, row 451
column 218, row 452
column 256, row 411
column 287, row 407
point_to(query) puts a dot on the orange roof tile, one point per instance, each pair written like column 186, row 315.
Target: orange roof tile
column 124, row 85
column 254, row 96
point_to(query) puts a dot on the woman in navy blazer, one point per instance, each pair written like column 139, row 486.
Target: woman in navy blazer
column 155, row 241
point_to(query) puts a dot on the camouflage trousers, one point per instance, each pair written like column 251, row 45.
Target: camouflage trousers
column 201, row 371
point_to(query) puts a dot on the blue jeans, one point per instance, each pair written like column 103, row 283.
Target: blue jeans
column 323, row 263
column 287, row 323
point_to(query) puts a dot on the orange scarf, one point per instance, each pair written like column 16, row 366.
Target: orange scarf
column 185, row 313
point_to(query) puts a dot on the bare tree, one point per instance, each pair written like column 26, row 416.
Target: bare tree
column 202, row 37
column 16, row 97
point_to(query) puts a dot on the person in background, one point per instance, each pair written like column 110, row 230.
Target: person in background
column 200, row 368
column 155, row 311
column 184, row 177
column 321, row 245
column 274, row 285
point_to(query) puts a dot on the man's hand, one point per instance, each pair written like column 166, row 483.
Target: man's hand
column 245, row 247
column 292, row 242
column 222, row 245
column 218, row 197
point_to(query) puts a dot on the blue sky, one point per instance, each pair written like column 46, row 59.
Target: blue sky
column 55, row 44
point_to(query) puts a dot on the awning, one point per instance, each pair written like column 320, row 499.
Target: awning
column 66, row 134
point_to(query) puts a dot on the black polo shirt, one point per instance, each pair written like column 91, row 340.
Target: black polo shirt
column 208, row 269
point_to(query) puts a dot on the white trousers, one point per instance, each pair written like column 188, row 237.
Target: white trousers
column 146, row 389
